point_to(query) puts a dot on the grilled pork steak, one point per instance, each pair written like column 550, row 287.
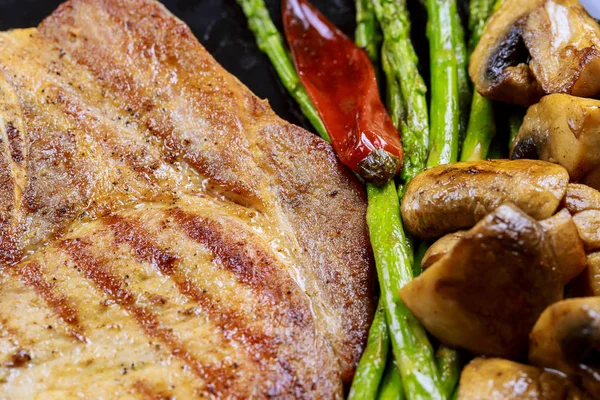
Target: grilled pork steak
column 163, row 233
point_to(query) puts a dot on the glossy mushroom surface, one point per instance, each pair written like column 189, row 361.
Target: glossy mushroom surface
column 535, row 47
column 567, row 338
column 499, row 379
column 452, row 197
column 485, row 294
column 562, row 129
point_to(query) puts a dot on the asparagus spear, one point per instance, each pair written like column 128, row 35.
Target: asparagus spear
column 270, row 41
column 393, row 18
column 419, row 254
column 480, row 131
column 392, row 252
column 404, row 83
column 367, row 34
column 391, row 386
column 373, row 361
column 393, row 258
column 395, row 104
column 481, row 128
column 444, row 82
column 449, row 366
column 479, row 12
column 464, row 84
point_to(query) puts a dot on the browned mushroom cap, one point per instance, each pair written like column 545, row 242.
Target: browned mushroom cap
column 451, row 197
column 488, row 290
column 535, row 47
column 561, row 233
column 588, row 226
column 498, row 379
column 567, row 338
column 440, row 247
column 562, row 129
column 564, row 44
column 499, row 65
column 581, row 198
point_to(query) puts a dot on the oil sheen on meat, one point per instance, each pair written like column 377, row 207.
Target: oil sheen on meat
column 162, row 232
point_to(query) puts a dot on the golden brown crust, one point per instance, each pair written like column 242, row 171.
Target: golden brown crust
column 119, row 107
column 447, row 198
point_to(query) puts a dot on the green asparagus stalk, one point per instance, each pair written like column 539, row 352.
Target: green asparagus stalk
column 444, row 82
column 403, row 63
column 481, row 128
column 393, row 254
column 455, row 394
column 367, row 34
column 270, row 41
column 464, row 83
column 449, row 366
column 391, row 386
column 393, row 258
column 395, row 104
column 480, row 131
column 373, row 361
column 479, row 12
column 419, row 254
column 404, row 83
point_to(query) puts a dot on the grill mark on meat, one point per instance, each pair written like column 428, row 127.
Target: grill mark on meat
column 10, row 253
column 258, row 272
column 218, row 378
column 231, row 324
column 31, row 274
column 148, row 393
column 15, row 142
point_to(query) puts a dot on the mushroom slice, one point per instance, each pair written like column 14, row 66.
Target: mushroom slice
column 498, row 379
column 499, row 65
column 581, row 198
column 564, row 44
column 588, row 226
column 534, row 47
column 562, row 129
column 451, row 197
column 567, row 338
column 441, row 246
column 561, row 232
column 486, row 293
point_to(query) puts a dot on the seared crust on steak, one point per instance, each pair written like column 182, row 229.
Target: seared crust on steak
column 163, row 232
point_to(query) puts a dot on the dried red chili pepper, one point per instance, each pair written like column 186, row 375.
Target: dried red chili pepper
column 341, row 82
